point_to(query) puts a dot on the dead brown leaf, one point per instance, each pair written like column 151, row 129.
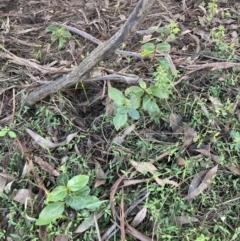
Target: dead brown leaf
column 45, row 166
column 139, row 217
column 46, row 144
column 189, row 135
column 203, row 185
column 100, row 176
column 22, row 196
column 136, row 234
column 175, row 121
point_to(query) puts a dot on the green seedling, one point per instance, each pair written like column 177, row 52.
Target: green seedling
column 58, row 34
column 73, row 193
column 142, row 97
column 6, row 131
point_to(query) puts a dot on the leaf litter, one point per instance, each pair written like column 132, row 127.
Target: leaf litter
column 192, row 79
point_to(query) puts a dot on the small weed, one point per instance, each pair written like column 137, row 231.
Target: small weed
column 72, row 193
column 6, row 131
column 58, row 34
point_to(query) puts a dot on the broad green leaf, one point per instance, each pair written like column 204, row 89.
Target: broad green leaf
column 134, row 89
column 119, row 120
column 4, row 131
column 148, row 47
column 52, row 28
column 92, row 202
column 159, row 30
column 77, row 183
column 57, row 194
column 12, row 134
column 66, row 34
column 62, row 179
column 146, row 101
column 164, row 63
column 159, row 92
column 163, row 47
column 146, row 53
column 133, row 113
column 122, row 110
column 60, row 42
column 117, row 96
column 54, row 36
column 75, row 202
column 143, row 84
column 135, row 102
column 83, row 192
column 50, row 213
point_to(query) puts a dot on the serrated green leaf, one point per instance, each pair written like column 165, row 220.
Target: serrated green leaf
column 119, row 120
column 62, row 179
column 57, row 194
column 93, row 202
column 77, row 183
column 133, row 113
column 66, row 34
column 75, row 202
column 54, row 36
column 52, row 28
column 117, row 96
column 148, row 47
column 12, row 134
column 135, row 102
column 163, row 47
column 50, row 213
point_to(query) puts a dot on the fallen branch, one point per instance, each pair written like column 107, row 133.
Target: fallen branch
column 101, row 52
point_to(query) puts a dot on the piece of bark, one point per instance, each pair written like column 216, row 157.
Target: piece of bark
column 82, row 71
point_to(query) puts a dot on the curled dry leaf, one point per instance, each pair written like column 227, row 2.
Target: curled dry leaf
column 22, row 196
column 100, row 176
column 46, row 144
column 175, row 121
column 197, row 180
column 235, row 170
column 203, row 185
column 145, row 167
column 189, row 135
column 46, row 167
column 216, row 103
column 180, row 161
column 139, row 217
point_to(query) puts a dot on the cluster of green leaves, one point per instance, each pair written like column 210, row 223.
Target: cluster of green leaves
column 59, row 34
column 6, row 131
column 73, row 193
column 142, row 97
